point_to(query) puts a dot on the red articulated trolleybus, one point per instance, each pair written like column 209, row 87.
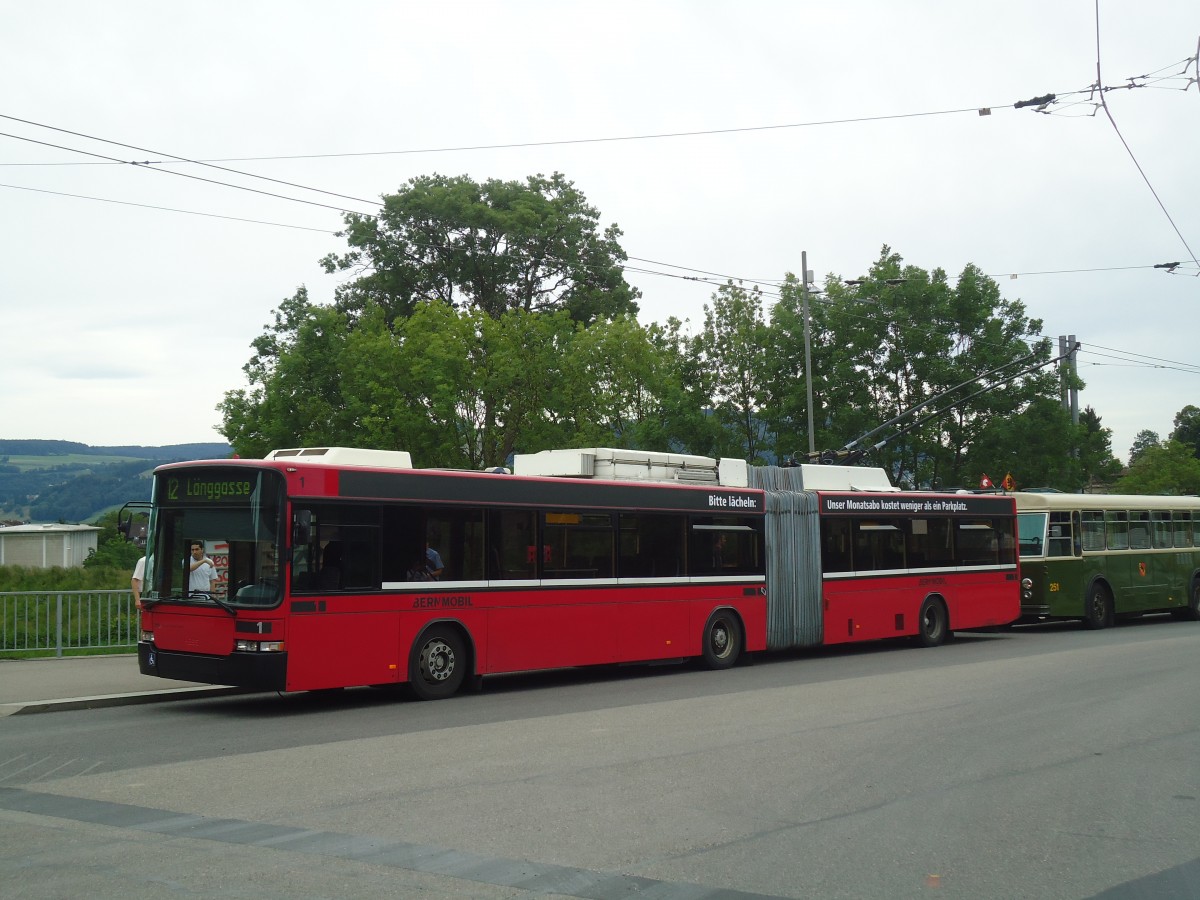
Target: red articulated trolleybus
column 340, row 567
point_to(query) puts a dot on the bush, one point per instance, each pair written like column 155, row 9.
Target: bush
column 92, row 578
column 113, row 550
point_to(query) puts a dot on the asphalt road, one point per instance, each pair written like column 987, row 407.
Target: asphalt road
column 1038, row 762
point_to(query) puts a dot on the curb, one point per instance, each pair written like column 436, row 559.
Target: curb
column 102, row 700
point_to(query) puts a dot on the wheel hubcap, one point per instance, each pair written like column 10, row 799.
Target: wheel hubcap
column 720, row 639
column 437, row 661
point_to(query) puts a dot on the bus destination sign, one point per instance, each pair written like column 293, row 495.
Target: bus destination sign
column 207, row 489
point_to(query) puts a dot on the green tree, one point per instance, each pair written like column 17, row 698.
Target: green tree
column 1098, row 466
column 609, row 384
column 943, row 361
column 296, row 383
column 1167, row 468
column 1034, row 447
column 677, row 413
column 1187, row 428
column 454, row 387
column 497, row 246
column 112, row 551
column 732, row 348
column 785, row 407
column 1145, row 440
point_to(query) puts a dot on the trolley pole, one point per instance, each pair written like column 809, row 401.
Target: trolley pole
column 812, row 441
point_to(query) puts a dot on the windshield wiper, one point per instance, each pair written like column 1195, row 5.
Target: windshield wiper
column 205, row 595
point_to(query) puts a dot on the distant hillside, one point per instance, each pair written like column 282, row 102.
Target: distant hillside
column 65, row 481
column 67, row 448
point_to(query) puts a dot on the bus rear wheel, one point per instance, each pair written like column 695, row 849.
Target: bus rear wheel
column 722, row 640
column 1098, row 607
column 1192, row 611
column 933, row 623
column 438, row 665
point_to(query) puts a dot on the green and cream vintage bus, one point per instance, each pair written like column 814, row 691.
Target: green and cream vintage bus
column 1097, row 557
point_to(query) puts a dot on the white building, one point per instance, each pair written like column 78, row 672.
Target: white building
column 47, row 546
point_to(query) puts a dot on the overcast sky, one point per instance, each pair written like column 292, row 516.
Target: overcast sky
column 124, row 324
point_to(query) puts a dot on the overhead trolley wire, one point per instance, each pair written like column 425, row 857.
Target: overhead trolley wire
column 186, row 212
column 1128, row 149
column 178, row 174
column 775, row 283
column 516, row 145
column 147, row 164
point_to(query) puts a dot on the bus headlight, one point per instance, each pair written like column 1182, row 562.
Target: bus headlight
column 1027, row 584
column 147, row 637
column 259, row 646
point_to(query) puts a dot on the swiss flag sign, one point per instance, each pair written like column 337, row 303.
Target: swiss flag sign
column 985, row 482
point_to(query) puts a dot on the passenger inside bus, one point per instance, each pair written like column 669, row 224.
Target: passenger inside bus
column 331, row 566
column 418, row 569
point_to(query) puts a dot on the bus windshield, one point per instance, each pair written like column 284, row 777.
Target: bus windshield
column 215, row 537
column 1032, row 530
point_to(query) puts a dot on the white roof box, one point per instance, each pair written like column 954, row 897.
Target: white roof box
column 631, row 465
column 844, row 478
column 346, row 456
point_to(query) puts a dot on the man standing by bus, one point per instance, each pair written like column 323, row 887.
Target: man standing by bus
column 203, row 578
column 135, row 583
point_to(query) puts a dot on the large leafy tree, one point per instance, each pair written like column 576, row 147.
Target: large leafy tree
column 732, row 348
column 455, row 387
column 786, row 401
column 1187, row 428
column 1143, row 441
column 1097, row 465
column 496, row 246
column 677, row 415
column 609, row 384
column 1166, row 468
column 296, row 382
column 1040, row 448
column 939, row 361
column 1034, row 447
column 457, row 343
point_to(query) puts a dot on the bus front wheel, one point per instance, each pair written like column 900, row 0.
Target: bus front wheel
column 1098, row 607
column 438, row 664
column 933, row 623
column 722, row 640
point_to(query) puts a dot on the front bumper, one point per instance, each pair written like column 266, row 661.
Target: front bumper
column 261, row 671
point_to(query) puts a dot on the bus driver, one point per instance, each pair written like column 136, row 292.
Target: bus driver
column 203, row 577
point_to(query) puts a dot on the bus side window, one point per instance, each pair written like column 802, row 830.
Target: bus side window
column 879, row 545
column 1093, row 530
column 511, row 533
column 976, row 543
column 835, row 545
column 1117, row 525
column 1060, row 539
column 1160, row 521
column 1139, row 530
column 1182, row 526
column 650, row 545
column 930, row 544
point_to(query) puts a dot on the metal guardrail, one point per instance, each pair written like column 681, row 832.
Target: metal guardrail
column 45, row 622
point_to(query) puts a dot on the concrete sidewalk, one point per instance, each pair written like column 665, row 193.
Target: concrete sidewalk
column 87, row 682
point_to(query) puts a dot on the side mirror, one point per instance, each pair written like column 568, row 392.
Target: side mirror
column 132, row 521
